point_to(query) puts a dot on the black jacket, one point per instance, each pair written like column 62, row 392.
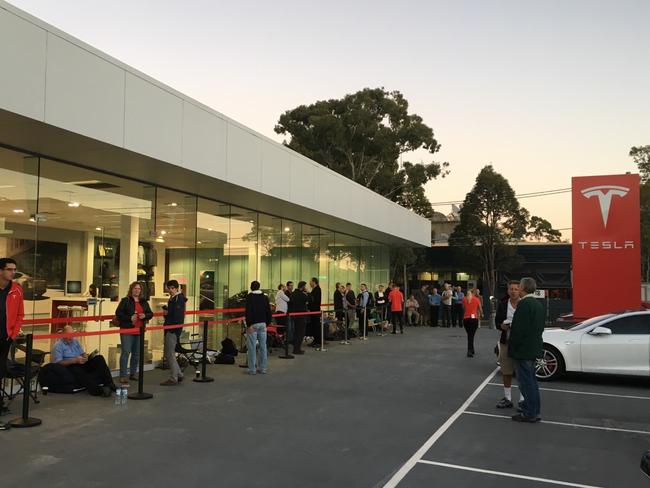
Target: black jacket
column 258, row 309
column 315, row 303
column 381, row 301
column 351, row 299
column 338, row 301
column 126, row 309
column 299, row 302
column 175, row 313
column 501, row 315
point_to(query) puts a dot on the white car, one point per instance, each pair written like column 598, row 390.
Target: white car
column 608, row 344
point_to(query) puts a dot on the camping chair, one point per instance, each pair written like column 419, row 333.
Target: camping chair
column 16, row 374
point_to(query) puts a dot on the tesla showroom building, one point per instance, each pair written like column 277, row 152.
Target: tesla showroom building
column 110, row 177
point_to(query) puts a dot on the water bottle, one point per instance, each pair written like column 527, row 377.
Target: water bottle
column 125, row 396
column 118, row 396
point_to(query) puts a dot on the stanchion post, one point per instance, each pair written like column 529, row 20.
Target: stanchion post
column 365, row 324
column 286, row 339
column 26, row 420
column 204, row 361
column 140, row 394
column 346, row 325
column 322, row 333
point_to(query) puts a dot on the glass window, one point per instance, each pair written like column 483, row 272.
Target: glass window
column 630, row 325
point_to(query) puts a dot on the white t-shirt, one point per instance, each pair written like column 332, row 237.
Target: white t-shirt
column 446, row 297
column 511, row 312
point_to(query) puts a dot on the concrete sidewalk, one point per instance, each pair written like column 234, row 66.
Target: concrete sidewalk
column 348, row 417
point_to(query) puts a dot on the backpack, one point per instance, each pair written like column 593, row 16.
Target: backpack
column 228, row 347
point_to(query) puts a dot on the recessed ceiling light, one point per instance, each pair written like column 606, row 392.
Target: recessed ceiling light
column 32, row 219
column 199, row 242
column 18, row 210
column 210, row 229
column 163, row 232
column 287, row 229
column 160, row 239
column 7, row 186
column 98, row 228
column 73, row 204
column 172, row 204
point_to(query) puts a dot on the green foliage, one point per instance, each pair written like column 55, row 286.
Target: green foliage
column 362, row 136
column 641, row 156
column 491, row 221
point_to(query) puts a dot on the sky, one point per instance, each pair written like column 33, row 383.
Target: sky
column 542, row 90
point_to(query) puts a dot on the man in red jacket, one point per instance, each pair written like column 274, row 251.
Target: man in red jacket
column 11, row 314
column 396, row 300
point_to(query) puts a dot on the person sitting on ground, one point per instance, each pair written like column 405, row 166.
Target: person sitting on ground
column 89, row 371
column 412, row 314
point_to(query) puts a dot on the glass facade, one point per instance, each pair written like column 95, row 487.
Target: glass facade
column 70, row 227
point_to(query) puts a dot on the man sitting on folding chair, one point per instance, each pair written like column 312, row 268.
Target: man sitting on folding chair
column 89, row 370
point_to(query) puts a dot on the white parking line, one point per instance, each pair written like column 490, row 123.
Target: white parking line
column 411, row 463
column 575, row 392
column 508, row 475
column 565, row 424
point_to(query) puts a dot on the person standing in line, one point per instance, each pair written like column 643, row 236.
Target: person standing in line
column 412, row 314
column 133, row 312
column 381, row 301
column 351, row 305
column 447, row 297
column 396, row 300
column 457, row 311
column 434, row 306
column 472, row 311
column 339, row 310
column 281, row 306
column 505, row 311
column 174, row 314
column 12, row 313
column 422, row 296
column 299, row 303
column 315, row 306
column 258, row 317
column 525, row 346
column 365, row 303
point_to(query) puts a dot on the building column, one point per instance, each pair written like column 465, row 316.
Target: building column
column 129, row 237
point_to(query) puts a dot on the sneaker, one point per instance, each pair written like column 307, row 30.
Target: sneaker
column 169, row 382
column 4, row 426
column 504, row 403
column 470, row 354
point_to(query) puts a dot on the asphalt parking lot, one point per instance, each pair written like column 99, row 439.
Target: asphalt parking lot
column 407, row 411
column 593, row 433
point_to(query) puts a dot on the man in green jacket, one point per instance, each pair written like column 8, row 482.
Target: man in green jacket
column 525, row 346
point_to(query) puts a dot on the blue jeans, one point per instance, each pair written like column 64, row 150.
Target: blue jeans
column 527, row 380
column 130, row 345
column 258, row 335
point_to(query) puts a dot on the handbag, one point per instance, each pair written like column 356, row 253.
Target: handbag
column 115, row 322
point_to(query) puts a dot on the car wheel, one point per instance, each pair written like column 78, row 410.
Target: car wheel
column 551, row 365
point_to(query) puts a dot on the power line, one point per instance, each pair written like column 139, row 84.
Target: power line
column 543, row 193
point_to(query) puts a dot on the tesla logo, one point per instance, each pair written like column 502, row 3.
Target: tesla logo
column 604, row 193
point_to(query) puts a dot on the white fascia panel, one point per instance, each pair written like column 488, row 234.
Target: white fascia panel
column 204, row 141
column 84, row 93
column 244, row 167
column 22, row 66
column 153, row 120
column 303, row 183
column 276, row 171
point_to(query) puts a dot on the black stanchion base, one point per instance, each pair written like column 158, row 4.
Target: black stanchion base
column 288, row 356
column 207, row 379
column 20, row 422
column 139, row 396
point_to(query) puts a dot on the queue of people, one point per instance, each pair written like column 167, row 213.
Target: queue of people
column 519, row 318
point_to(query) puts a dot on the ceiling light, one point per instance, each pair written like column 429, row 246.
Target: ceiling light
column 7, row 186
column 73, row 204
column 98, row 228
column 163, row 232
column 32, row 219
column 199, row 242
column 18, row 210
column 172, row 204
column 287, row 229
column 210, row 229
column 160, row 239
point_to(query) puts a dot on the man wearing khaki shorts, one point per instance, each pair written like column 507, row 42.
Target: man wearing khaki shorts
column 505, row 312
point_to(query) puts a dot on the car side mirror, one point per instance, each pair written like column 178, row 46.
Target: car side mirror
column 601, row 331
